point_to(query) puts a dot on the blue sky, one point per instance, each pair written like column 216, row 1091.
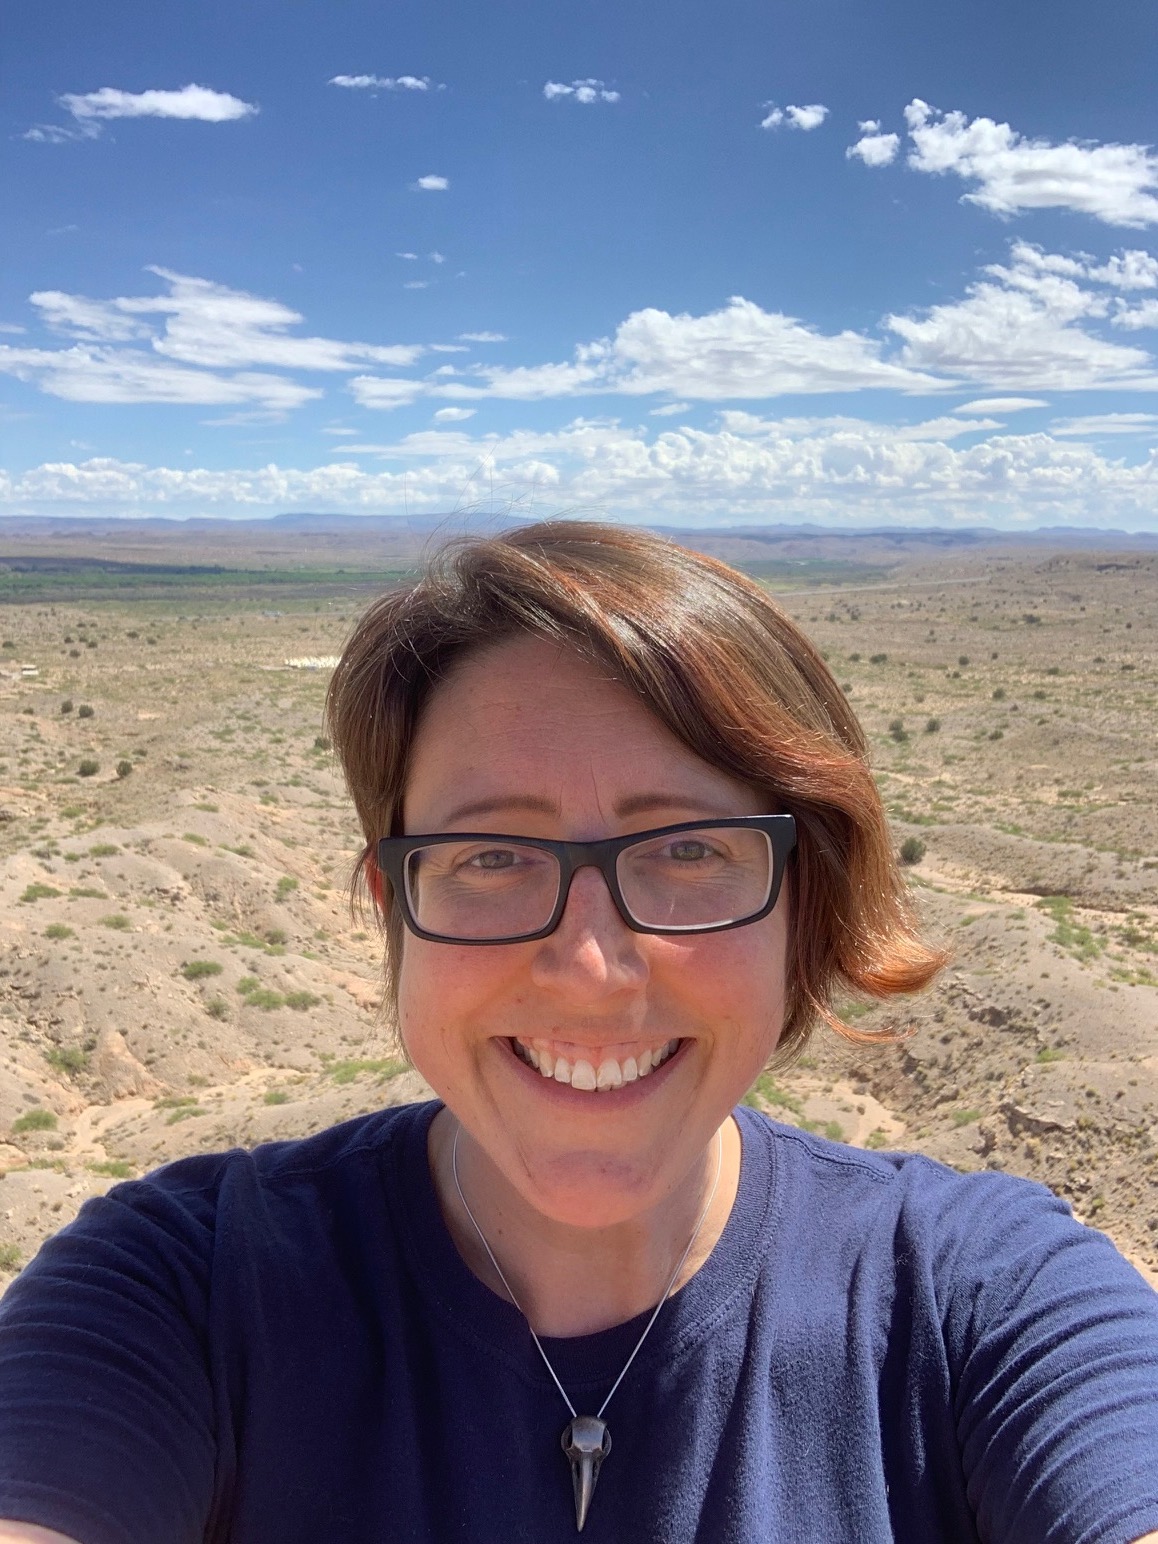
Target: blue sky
column 845, row 263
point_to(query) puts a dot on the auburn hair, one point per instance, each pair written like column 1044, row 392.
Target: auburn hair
column 715, row 659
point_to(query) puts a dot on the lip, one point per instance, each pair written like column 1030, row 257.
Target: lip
column 610, row 1100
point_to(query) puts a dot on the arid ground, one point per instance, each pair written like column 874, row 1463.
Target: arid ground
column 179, row 971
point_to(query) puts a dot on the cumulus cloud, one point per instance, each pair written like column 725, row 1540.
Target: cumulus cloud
column 454, row 415
column 1113, row 183
column 431, row 184
column 1025, row 326
column 810, row 117
column 381, row 82
column 1133, row 317
column 823, row 469
column 873, row 147
column 90, row 110
column 585, row 91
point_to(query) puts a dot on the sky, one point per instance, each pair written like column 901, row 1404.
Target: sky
column 852, row 262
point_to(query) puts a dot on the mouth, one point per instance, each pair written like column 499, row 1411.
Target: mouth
column 593, row 1074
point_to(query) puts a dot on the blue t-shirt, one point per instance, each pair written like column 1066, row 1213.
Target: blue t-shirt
column 285, row 1347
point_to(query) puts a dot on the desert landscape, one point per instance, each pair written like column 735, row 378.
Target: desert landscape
column 179, row 970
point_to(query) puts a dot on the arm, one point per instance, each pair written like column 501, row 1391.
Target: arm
column 106, row 1403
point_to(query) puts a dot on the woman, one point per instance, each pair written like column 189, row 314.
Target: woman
column 622, row 835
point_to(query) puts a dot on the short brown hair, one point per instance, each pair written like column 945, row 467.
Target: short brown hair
column 712, row 656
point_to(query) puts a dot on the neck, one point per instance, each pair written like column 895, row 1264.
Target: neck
column 578, row 1280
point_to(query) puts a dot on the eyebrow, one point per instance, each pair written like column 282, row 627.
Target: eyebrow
column 634, row 804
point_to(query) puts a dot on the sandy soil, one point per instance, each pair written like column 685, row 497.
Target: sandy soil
column 179, row 973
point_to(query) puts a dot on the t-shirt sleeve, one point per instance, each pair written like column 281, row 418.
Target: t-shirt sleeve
column 1054, row 1340
column 106, row 1406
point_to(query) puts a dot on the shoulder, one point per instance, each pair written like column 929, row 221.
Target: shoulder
column 968, row 1236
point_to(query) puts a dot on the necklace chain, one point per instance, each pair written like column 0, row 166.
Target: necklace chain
column 655, row 1312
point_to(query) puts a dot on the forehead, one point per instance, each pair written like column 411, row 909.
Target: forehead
column 530, row 719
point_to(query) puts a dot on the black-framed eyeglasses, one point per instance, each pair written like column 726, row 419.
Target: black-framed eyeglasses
column 700, row 876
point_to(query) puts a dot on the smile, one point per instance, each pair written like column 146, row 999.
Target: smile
column 591, row 1077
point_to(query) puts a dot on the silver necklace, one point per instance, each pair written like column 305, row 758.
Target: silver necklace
column 586, row 1439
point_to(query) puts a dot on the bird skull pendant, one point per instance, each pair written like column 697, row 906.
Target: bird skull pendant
column 586, row 1442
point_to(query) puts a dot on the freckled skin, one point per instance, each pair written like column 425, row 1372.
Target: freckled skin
column 529, row 719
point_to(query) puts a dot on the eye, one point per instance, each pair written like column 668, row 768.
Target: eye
column 690, row 850
column 494, row 858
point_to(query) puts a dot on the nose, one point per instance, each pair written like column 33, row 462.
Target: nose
column 592, row 952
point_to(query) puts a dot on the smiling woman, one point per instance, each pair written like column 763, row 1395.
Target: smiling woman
column 624, row 843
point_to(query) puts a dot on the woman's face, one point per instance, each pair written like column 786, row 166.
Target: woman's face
column 528, row 739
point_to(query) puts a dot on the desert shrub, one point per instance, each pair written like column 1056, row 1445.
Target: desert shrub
column 59, row 930
column 962, row 660
column 69, row 1058
column 897, row 730
column 265, row 998
column 912, row 850
column 217, row 1008
column 38, row 892
column 965, row 1117
column 86, row 893
column 876, row 1139
column 191, row 836
column 321, row 743
column 286, row 885
column 248, row 984
column 999, row 694
column 133, row 633
column 855, row 658
column 74, row 653
column 115, row 1168
column 301, row 1000
column 124, row 768
column 877, row 659
column 1030, row 618
column 932, row 725
column 88, row 768
column 34, row 1120
column 104, row 850
column 276, row 936
column 10, row 1258
column 276, row 1096
column 1039, row 695
column 197, row 970
column 997, row 734
column 66, row 705
column 85, row 711
column 117, row 921
column 1054, row 670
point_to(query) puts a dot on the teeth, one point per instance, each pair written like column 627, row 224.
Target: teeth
column 583, row 1075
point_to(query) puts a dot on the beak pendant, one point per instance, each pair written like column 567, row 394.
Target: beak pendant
column 586, row 1442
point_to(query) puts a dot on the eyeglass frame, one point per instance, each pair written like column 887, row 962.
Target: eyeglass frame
column 394, row 851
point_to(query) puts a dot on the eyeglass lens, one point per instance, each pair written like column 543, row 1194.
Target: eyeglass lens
column 686, row 879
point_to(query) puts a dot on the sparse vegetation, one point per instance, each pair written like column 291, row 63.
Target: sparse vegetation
column 912, row 850
column 59, row 930
column 37, row 891
column 198, row 970
column 88, row 768
column 34, row 1120
column 124, row 768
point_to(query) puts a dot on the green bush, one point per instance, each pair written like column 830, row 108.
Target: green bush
column 59, row 930
column 84, row 711
column 301, row 1000
column 897, row 730
column 66, row 705
column 104, row 850
column 197, row 970
column 217, row 1008
column 38, row 892
column 124, row 768
column 70, row 1059
column 999, row 694
column 276, row 1096
column 286, row 885
column 88, row 768
column 117, row 921
column 877, row 659
column 34, row 1120
column 932, row 725
column 913, row 850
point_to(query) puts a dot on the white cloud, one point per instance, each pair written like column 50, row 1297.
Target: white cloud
column 431, row 184
column 407, row 257
column 12, row 328
column 382, row 82
column 669, row 409
column 810, row 117
column 1134, row 317
column 184, row 344
column 585, row 91
column 382, row 392
column 873, row 147
column 454, row 415
column 1096, row 424
column 437, row 257
column 85, row 373
column 1112, row 182
column 90, row 110
column 483, row 337
column 825, row 469
column 417, row 284
column 1000, row 405
column 1021, row 328
column 1132, row 270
